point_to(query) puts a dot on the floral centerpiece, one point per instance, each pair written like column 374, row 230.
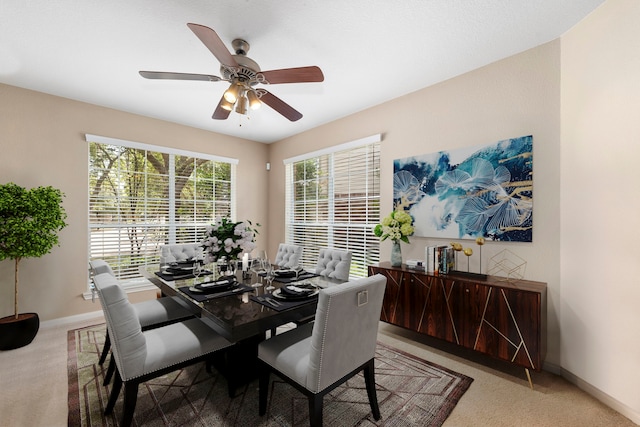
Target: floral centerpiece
column 397, row 226
column 228, row 239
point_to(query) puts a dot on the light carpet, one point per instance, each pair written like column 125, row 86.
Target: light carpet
column 411, row 391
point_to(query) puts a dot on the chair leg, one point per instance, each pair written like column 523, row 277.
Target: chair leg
column 109, row 374
column 115, row 391
column 369, row 379
column 105, row 348
column 315, row 410
column 130, row 400
column 263, row 388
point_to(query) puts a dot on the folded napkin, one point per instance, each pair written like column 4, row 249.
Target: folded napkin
column 202, row 296
column 285, row 273
column 304, row 275
column 298, row 291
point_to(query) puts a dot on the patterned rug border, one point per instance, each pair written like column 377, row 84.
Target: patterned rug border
column 74, row 413
column 465, row 382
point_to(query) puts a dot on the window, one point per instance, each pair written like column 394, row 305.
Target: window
column 142, row 197
column 333, row 200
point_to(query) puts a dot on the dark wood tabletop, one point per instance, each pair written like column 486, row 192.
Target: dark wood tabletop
column 237, row 317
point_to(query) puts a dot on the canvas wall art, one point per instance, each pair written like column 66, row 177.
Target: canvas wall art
column 482, row 191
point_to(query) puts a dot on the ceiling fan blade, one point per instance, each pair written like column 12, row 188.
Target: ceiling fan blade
column 179, row 76
column 293, row 75
column 220, row 113
column 279, row 105
column 213, row 42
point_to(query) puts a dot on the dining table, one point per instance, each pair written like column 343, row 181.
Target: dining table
column 240, row 312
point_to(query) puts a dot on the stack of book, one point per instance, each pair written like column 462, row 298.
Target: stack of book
column 439, row 259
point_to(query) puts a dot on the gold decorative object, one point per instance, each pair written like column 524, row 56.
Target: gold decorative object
column 508, row 265
column 468, row 252
column 480, row 242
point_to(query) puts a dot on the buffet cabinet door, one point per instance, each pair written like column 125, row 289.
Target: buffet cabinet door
column 502, row 323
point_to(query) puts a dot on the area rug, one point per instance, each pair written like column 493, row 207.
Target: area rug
column 411, row 392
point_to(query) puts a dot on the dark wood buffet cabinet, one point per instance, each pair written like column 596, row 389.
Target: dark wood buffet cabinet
column 500, row 318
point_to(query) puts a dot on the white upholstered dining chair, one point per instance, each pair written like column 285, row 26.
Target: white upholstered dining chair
column 334, row 263
column 288, row 256
column 144, row 355
column 151, row 313
column 317, row 357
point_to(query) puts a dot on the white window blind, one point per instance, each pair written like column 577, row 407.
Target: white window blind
column 333, row 200
column 142, row 197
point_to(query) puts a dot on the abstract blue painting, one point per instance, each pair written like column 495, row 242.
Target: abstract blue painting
column 483, row 191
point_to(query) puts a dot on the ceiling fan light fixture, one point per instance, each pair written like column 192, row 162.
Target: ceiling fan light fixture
column 241, row 106
column 232, row 94
column 242, row 74
column 226, row 104
column 254, row 101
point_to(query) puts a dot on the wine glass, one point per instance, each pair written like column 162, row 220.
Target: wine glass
column 256, row 268
column 197, row 271
column 271, row 274
column 298, row 269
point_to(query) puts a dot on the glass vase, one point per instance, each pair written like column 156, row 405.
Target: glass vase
column 396, row 255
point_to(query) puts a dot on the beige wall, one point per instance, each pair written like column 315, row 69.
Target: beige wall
column 585, row 188
column 600, row 201
column 514, row 97
column 42, row 143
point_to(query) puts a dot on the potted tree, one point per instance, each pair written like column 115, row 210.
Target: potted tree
column 29, row 224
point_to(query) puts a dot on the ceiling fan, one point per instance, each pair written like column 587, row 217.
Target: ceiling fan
column 244, row 74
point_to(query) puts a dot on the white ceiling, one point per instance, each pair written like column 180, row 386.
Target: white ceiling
column 370, row 51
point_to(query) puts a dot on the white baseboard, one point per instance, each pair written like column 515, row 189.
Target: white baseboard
column 600, row 395
column 61, row 321
column 552, row 367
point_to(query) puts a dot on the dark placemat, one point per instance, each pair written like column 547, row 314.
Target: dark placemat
column 283, row 305
column 302, row 276
column 284, row 279
column 201, row 297
column 172, row 277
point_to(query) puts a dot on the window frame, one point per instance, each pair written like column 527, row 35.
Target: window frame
column 140, row 283
column 366, row 250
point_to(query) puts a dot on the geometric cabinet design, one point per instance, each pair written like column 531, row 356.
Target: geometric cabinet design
column 505, row 320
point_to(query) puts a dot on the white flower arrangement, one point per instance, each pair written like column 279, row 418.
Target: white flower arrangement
column 228, row 239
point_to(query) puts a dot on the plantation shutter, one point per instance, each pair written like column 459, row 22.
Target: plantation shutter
column 333, row 200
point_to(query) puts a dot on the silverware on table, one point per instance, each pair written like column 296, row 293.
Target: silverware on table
column 269, row 301
column 273, row 302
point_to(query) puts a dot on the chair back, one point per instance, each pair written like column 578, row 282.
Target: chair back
column 180, row 252
column 127, row 340
column 345, row 331
column 288, row 256
column 334, row 263
column 99, row 266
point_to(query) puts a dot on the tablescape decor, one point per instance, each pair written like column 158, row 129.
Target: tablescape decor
column 271, row 274
column 229, row 240
column 256, row 267
column 397, row 226
column 29, row 224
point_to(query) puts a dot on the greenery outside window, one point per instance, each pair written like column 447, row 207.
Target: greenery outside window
column 143, row 196
column 333, row 200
